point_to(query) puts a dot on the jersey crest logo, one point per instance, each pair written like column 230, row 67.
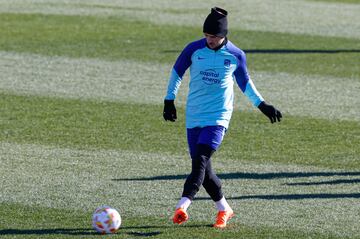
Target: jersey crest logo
column 227, row 62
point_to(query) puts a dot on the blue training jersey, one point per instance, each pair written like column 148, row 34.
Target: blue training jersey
column 212, row 74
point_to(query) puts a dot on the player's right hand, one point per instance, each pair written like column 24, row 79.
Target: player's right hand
column 169, row 110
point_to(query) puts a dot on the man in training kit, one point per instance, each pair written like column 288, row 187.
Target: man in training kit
column 214, row 64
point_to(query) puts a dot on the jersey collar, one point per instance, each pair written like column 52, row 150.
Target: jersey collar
column 219, row 47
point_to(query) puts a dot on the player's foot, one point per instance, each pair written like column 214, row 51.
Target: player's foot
column 180, row 216
column 222, row 218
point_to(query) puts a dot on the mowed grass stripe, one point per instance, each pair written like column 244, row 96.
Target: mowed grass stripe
column 126, row 81
column 84, row 78
column 76, row 123
column 83, row 179
column 117, row 38
column 62, row 223
column 298, row 17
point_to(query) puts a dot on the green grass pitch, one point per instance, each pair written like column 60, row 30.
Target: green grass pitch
column 81, row 91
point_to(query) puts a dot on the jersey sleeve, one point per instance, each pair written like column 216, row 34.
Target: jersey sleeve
column 173, row 85
column 182, row 63
column 244, row 81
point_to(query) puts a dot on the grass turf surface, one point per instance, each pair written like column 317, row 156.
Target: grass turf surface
column 297, row 179
column 90, row 176
column 43, row 222
column 76, row 123
column 116, row 38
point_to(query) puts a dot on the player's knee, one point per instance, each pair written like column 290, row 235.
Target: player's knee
column 199, row 163
column 205, row 150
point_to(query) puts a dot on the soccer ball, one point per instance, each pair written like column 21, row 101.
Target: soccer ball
column 106, row 220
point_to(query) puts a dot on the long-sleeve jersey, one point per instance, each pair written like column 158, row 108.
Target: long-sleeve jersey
column 212, row 74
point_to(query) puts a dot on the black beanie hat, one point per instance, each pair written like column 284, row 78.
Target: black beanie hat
column 216, row 22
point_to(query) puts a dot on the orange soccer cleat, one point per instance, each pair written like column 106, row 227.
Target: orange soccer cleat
column 180, row 216
column 222, row 218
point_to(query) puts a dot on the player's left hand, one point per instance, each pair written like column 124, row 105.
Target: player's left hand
column 270, row 111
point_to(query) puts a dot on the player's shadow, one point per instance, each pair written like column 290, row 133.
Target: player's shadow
column 72, row 232
column 54, row 231
column 156, row 232
column 255, row 176
column 327, row 182
column 291, row 196
column 91, row 231
column 272, row 176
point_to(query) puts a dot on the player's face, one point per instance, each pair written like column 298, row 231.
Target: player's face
column 213, row 41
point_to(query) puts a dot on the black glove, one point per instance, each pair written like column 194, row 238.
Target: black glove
column 270, row 111
column 169, row 110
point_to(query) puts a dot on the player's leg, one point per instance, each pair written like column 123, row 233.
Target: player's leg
column 210, row 140
column 193, row 183
column 202, row 144
column 198, row 168
column 181, row 215
column 200, row 154
column 212, row 183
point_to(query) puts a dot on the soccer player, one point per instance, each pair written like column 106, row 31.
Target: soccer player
column 215, row 62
